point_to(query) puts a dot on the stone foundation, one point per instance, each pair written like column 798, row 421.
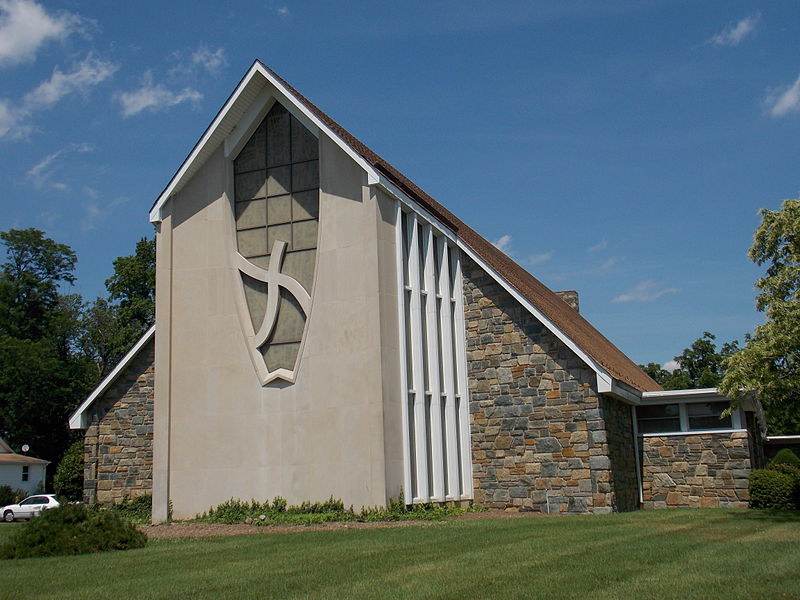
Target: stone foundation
column 706, row 470
column 539, row 430
column 118, row 444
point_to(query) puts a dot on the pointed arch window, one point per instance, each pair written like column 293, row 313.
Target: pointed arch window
column 276, row 200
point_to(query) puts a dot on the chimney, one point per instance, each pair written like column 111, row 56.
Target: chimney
column 571, row 298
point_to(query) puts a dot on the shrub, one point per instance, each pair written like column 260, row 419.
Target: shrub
column 785, row 457
column 72, row 530
column 138, row 511
column 68, row 480
column 10, row 496
column 770, row 488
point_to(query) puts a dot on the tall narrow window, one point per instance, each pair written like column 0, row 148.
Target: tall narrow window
column 25, row 473
column 277, row 213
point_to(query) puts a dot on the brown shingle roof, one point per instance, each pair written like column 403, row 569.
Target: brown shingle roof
column 9, row 458
column 578, row 329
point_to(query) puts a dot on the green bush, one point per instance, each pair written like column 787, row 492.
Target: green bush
column 307, row 513
column 10, row 496
column 72, row 530
column 68, row 480
column 770, row 488
column 785, row 457
column 138, row 511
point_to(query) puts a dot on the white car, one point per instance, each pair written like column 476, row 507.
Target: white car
column 32, row 506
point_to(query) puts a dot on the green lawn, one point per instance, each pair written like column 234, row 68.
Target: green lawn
column 649, row 554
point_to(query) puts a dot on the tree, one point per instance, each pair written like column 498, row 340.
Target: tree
column 133, row 286
column 769, row 363
column 42, row 375
column 111, row 326
column 34, row 268
column 68, row 480
column 700, row 365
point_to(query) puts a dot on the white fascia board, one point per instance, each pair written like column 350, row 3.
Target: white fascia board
column 694, row 395
column 605, row 382
column 783, row 438
column 77, row 420
column 177, row 181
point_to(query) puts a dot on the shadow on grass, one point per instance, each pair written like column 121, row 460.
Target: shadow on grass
column 771, row 515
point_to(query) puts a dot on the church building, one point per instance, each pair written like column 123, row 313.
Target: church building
column 325, row 328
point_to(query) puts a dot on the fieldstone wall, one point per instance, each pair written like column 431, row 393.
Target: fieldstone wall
column 707, row 470
column 118, row 444
column 539, row 430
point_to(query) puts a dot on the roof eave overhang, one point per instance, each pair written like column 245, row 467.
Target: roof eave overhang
column 226, row 120
column 606, row 383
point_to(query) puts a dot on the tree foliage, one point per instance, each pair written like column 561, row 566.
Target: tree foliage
column 769, row 363
column 700, row 365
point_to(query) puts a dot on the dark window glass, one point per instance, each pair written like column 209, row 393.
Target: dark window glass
column 658, row 419
column 706, row 415
column 25, row 473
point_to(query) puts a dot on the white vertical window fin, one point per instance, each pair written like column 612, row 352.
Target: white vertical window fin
column 421, row 487
column 432, row 339
column 405, row 384
column 453, row 491
column 465, row 453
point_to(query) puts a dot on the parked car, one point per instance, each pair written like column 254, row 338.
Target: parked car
column 30, row 507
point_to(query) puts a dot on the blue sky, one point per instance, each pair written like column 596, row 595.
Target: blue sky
column 619, row 148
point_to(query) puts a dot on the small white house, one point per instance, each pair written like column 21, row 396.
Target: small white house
column 21, row 472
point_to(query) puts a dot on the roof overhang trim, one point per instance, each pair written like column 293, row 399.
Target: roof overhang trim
column 225, row 122
column 605, row 382
column 79, row 419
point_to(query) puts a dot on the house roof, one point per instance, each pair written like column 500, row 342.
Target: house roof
column 78, row 420
column 9, row 457
column 565, row 318
column 18, row 459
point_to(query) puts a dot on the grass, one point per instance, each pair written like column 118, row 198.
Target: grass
column 650, row 554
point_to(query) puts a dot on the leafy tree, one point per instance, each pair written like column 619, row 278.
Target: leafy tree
column 111, row 326
column 42, row 376
column 68, row 480
column 34, row 268
column 700, row 365
column 769, row 363
column 133, row 285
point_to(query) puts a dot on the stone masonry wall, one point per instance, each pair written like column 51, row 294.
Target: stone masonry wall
column 118, row 444
column 539, row 431
column 707, row 470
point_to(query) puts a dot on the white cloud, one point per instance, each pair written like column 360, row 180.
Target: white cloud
column 86, row 74
column 154, row 97
column 213, row 62
column 733, row 35
column 95, row 211
column 601, row 245
column 671, row 365
column 41, row 173
column 503, row 243
column 645, row 291
column 25, row 26
column 784, row 100
column 608, row 263
column 283, row 11
column 537, row 259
